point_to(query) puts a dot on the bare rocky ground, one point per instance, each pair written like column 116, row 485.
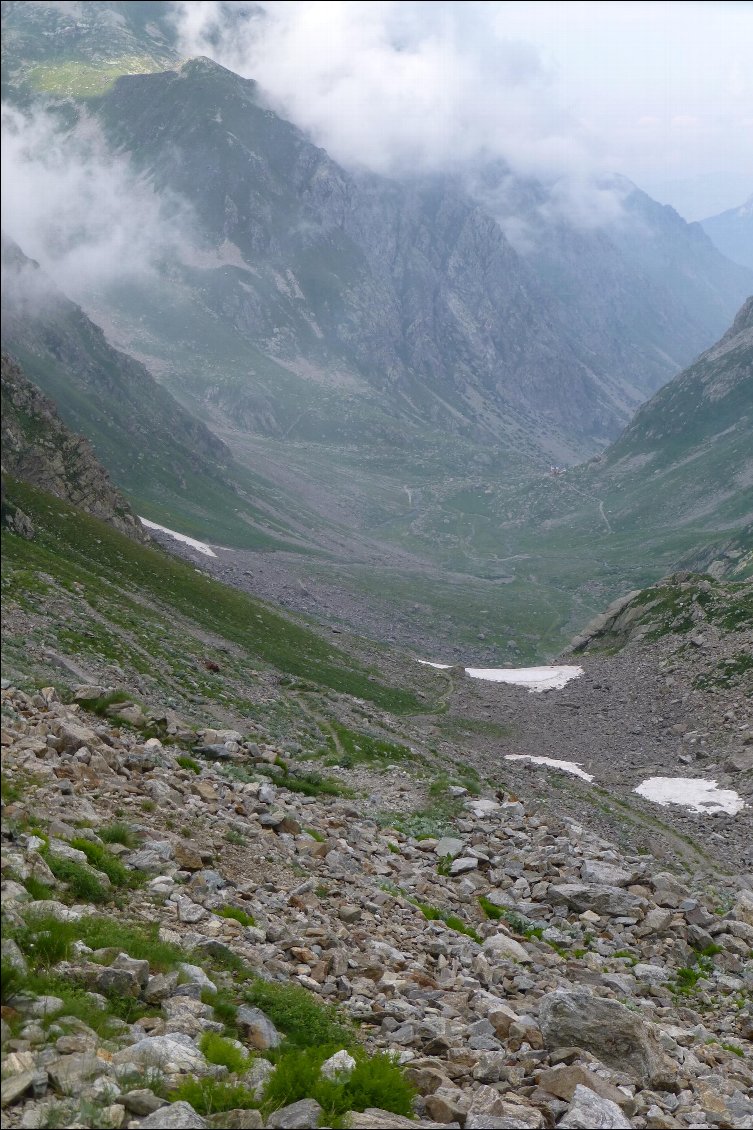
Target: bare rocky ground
column 596, row 989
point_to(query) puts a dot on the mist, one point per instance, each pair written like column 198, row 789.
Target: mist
column 568, row 91
column 399, row 88
column 85, row 214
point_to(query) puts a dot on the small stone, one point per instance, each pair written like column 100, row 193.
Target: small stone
column 501, row 946
column 142, row 1102
column 449, row 845
column 350, row 914
column 463, row 864
column 338, row 1067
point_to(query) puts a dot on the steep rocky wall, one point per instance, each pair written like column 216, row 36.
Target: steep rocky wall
column 38, row 448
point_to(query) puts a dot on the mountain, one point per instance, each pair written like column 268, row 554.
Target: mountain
column 644, row 291
column 77, row 49
column 687, row 457
column 39, row 449
column 166, row 460
column 410, row 292
column 732, row 232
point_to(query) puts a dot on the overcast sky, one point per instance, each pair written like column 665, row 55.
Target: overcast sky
column 661, row 92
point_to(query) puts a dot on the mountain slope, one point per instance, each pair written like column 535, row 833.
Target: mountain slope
column 687, row 457
column 38, row 448
column 166, row 460
column 732, row 232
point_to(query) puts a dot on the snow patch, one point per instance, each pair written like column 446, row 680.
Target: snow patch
column 535, row 679
column 691, row 792
column 200, row 546
column 565, row 766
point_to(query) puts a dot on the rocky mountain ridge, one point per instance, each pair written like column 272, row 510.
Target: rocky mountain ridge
column 732, row 232
column 38, row 448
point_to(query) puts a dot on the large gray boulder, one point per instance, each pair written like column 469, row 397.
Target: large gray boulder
column 177, row 1116
column 611, row 1032
column 589, row 1111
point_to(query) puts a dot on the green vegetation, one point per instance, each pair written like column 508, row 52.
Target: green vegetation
column 701, row 967
column 118, row 834
column 375, row 1082
column 238, row 914
column 103, row 860
column 234, row 837
column 37, row 889
column 304, row 1021
column 315, row 835
column 77, row 550
column 349, row 748
column 11, row 790
column 47, row 940
column 79, row 878
column 224, row 1052
column 517, row 923
column 435, row 820
column 77, row 79
column 211, row 1096
column 225, row 1007
column 189, row 763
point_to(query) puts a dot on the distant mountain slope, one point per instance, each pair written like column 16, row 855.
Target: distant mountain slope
column 687, row 457
column 79, row 49
column 410, row 292
column 39, row 449
column 161, row 456
column 732, row 232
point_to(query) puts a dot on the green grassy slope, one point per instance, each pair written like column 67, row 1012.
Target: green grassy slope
column 135, row 595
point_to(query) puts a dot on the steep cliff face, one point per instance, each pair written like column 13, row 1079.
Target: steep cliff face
column 39, row 449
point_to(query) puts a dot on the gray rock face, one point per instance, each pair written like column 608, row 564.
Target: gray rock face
column 603, row 1027
column 257, row 1028
column 176, row 1116
column 142, row 1101
column 173, row 1053
column 613, row 902
column 296, row 1116
column 588, row 1111
column 39, row 448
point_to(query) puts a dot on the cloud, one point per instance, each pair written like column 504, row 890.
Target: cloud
column 85, row 214
column 399, row 87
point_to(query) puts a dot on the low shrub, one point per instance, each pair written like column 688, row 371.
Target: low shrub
column 376, row 1081
column 237, row 914
column 223, row 1052
column 208, row 1096
column 119, row 833
column 80, row 879
column 103, row 860
column 303, row 1020
column 189, row 763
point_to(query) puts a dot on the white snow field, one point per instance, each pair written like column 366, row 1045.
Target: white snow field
column 201, row 546
column 691, row 792
column 535, row 679
column 565, row 766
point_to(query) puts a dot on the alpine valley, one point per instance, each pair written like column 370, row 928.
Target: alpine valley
column 377, row 621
